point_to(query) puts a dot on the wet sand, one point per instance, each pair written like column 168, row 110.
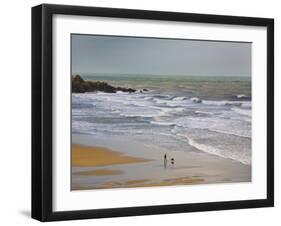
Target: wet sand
column 144, row 183
column 98, row 172
column 130, row 164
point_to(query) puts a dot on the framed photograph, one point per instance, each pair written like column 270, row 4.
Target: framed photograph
column 145, row 112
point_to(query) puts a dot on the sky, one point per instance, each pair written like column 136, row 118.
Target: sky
column 92, row 54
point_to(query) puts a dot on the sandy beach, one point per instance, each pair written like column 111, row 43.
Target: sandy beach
column 99, row 156
column 114, row 166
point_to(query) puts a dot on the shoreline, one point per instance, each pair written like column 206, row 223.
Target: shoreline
column 99, row 164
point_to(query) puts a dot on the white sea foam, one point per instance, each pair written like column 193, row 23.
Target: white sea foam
column 220, row 125
column 223, row 103
column 212, row 126
column 239, row 96
column 179, row 98
column 245, row 159
column 247, row 104
column 241, row 111
column 203, row 113
column 162, row 123
column 196, row 100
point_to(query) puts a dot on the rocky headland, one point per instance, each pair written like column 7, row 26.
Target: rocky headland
column 79, row 85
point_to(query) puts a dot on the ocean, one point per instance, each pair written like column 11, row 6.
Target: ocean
column 208, row 115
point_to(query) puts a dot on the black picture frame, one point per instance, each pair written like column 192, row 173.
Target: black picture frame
column 42, row 107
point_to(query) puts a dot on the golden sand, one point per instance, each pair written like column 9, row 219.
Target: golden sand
column 85, row 156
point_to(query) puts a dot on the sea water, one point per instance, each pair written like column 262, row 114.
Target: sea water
column 210, row 115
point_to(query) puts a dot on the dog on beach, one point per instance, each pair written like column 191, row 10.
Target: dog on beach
column 172, row 162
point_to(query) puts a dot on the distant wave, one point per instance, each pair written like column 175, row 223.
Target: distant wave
column 223, row 103
column 176, row 101
column 196, row 100
column 233, row 104
column 138, row 114
column 179, row 98
column 162, row 123
column 241, row 97
column 203, row 113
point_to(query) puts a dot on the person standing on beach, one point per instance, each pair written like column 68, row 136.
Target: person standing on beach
column 165, row 160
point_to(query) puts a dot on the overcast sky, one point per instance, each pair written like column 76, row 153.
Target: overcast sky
column 93, row 54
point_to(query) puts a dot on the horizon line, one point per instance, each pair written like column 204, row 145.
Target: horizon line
column 140, row 74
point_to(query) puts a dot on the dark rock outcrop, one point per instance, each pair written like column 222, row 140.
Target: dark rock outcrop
column 79, row 85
